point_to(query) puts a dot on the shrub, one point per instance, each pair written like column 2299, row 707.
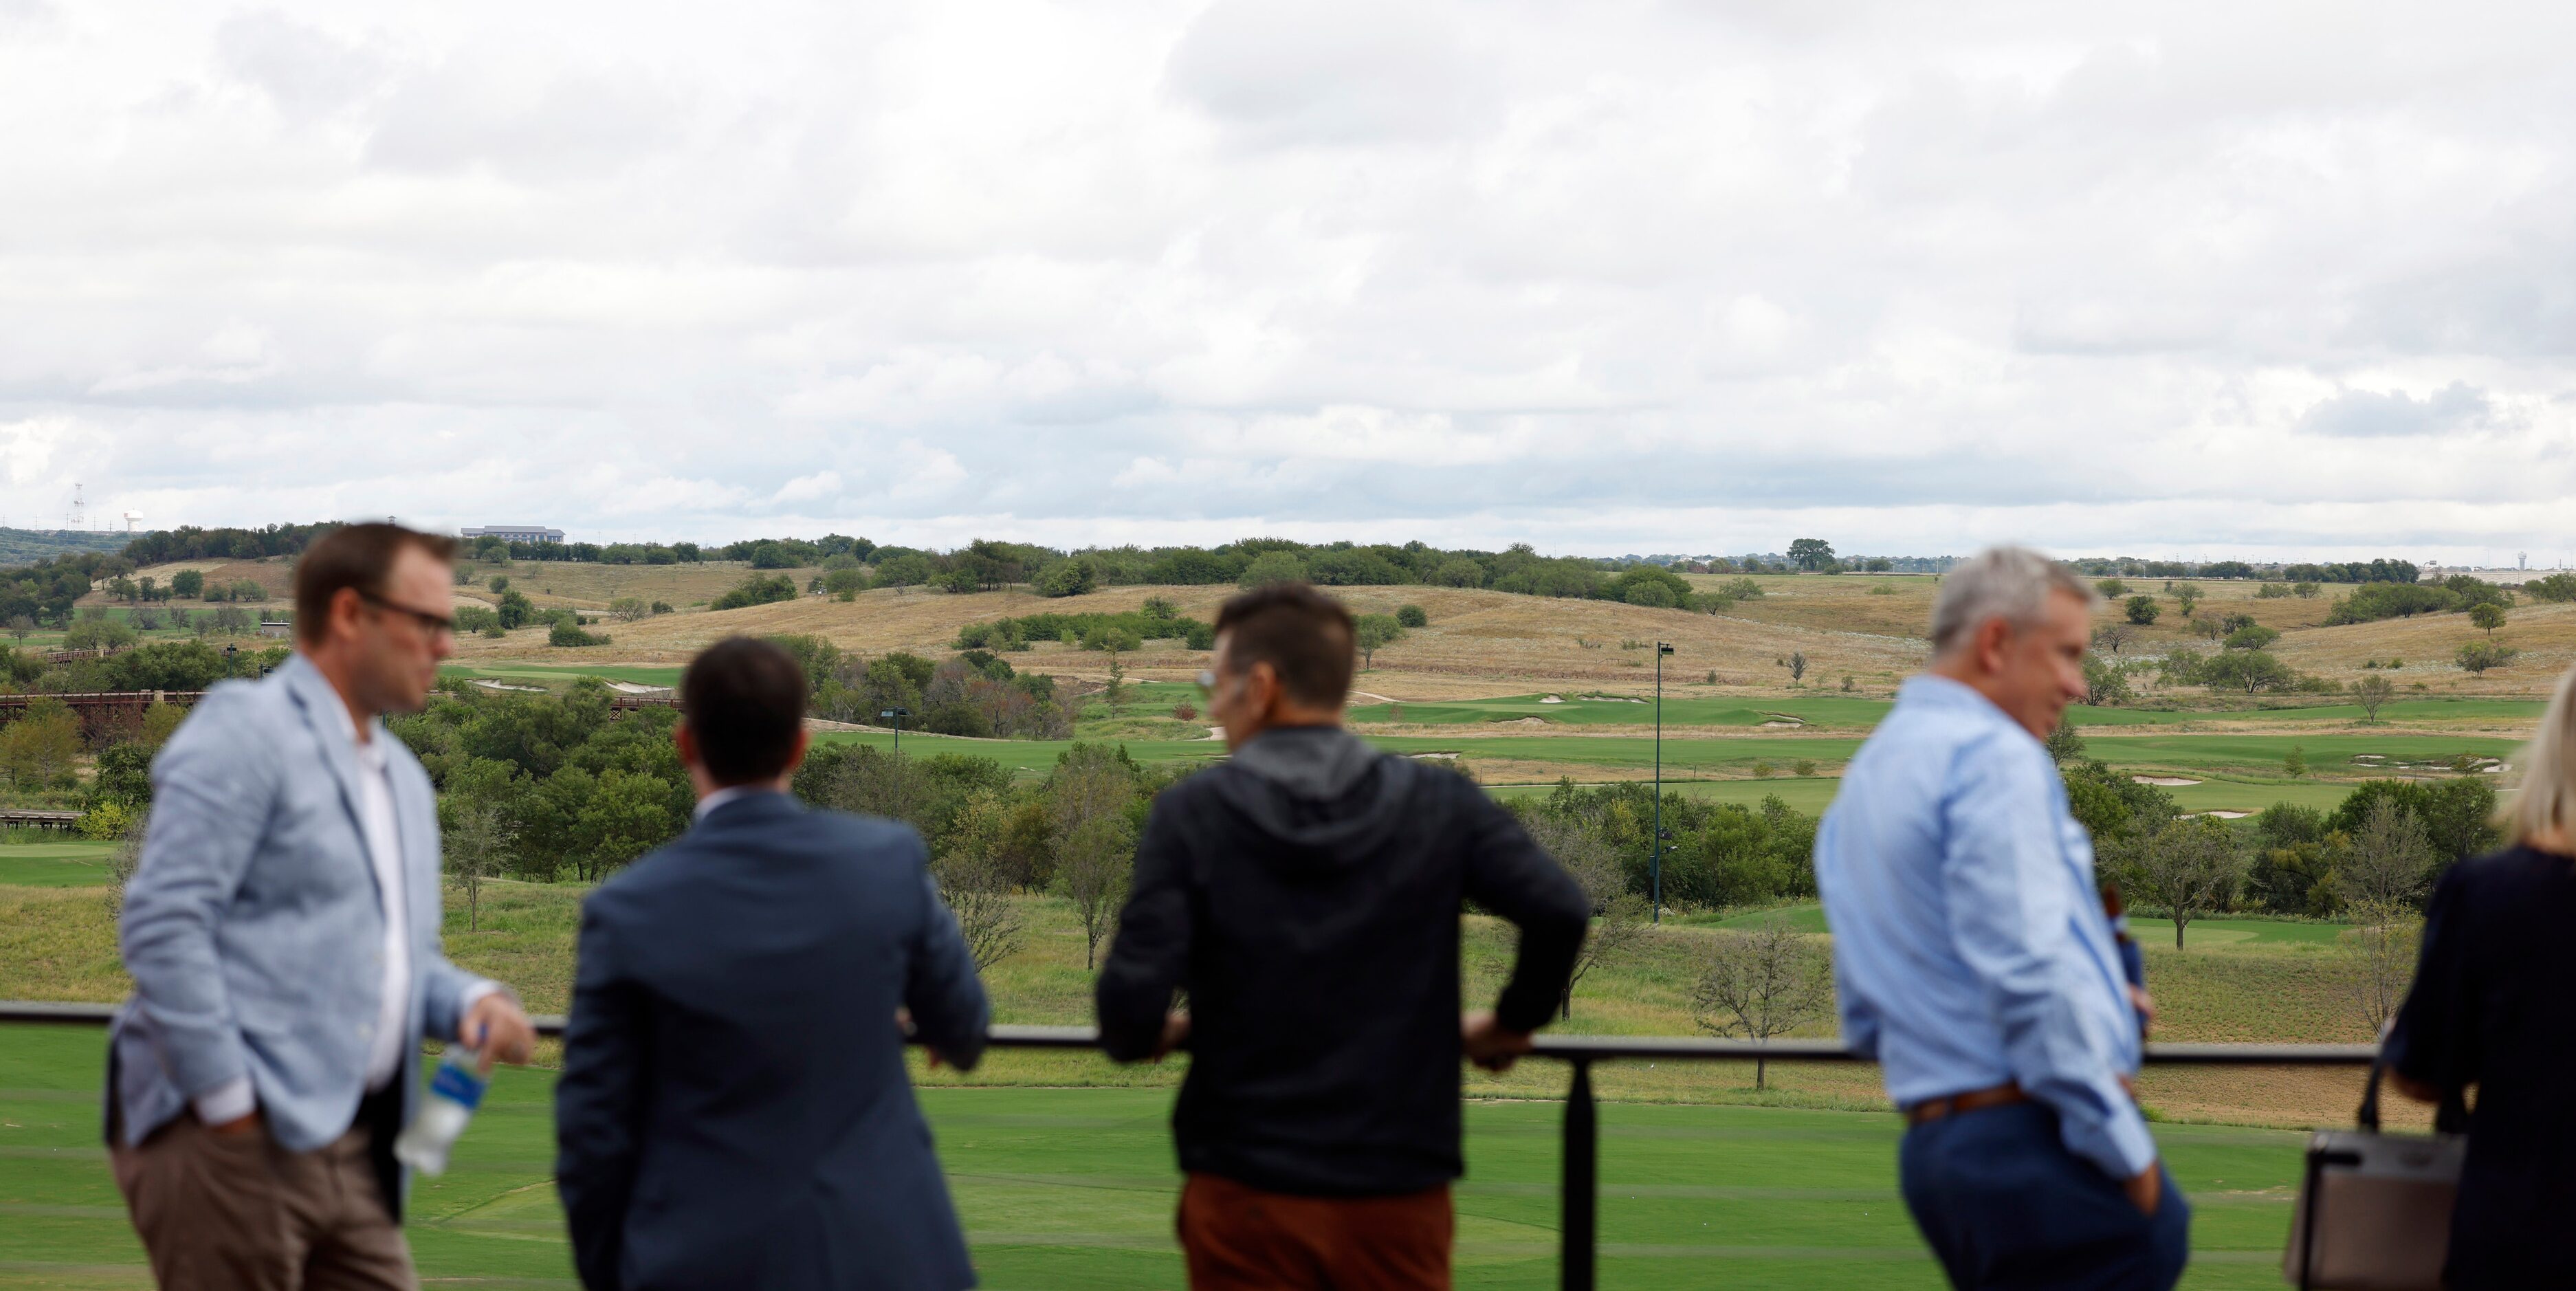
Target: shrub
column 1067, row 578
column 2143, row 610
column 567, row 632
column 1272, row 567
column 1411, row 616
column 2478, row 656
column 758, row 589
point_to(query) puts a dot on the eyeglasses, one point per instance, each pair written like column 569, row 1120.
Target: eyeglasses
column 433, row 624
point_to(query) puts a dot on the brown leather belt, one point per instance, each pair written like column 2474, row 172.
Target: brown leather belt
column 1933, row 1109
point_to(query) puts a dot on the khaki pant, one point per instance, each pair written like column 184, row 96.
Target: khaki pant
column 236, row 1210
column 1240, row 1238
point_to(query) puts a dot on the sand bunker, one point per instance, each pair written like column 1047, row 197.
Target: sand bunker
column 2168, row 781
column 2222, row 815
column 630, row 688
column 1526, row 721
column 1553, row 699
column 503, row 685
column 1435, row 757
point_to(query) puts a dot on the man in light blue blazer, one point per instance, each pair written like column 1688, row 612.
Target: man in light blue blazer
column 282, row 931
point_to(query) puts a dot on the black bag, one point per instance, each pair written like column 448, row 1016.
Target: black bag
column 2374, row 1210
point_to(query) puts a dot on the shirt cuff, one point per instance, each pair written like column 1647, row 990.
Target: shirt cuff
column 2121, row 1145
column 229, row 1101
column 467, row 999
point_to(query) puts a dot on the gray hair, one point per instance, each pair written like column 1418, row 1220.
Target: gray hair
column 2011, row 583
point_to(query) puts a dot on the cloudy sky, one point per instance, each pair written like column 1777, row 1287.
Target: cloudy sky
column 2158, row 278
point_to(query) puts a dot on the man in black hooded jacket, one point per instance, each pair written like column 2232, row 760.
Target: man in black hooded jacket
column 1305, row 896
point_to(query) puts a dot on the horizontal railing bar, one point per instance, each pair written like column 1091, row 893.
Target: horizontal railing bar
column 1589, row 1048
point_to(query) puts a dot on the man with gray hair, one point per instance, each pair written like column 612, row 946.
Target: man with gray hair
column 1972, row 957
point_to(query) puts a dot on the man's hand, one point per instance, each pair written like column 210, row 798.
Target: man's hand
column 1176, row 1032
column 246, row 1123
column 2145, row 1004
column 1489, row 1044
column 2147, row 1191
column 498, row 1029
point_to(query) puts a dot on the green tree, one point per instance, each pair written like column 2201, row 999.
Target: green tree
column 476, row 849
column 2371, row 693
column 973, row 874
column 2143, row 610
column 188, row 583
column 1373, row 632
column 1797, row 665
column 1094, row 864
column 1067, row 578
column 1811, row 554
column 625, row 609
column 2487, row 615
column 2186, row 596
column 1272, row 567
column 2479, row 656
column 846, row 584
column 2295, row 763
column 2190, row 867
column 40, row 748
column 2064, row 745
column 2111, row 589
column 1411, row 616
column 2105, row 683
column 2253, row 637
column 2249, row 671
column 625, row 815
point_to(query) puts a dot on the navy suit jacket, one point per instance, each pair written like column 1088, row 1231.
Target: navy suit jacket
column 734, row 1109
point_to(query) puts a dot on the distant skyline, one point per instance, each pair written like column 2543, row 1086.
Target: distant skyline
column 2169, row 280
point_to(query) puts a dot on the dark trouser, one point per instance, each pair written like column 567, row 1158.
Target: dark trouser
column 1240, row 1238
column 2006, row 1206
column 239, row 1211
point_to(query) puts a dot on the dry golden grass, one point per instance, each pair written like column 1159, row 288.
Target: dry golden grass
column 1478, row 642
column 587, row 586
column 275, row 577
column 2545, row 634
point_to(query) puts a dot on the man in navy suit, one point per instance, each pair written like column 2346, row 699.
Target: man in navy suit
column 734, row 1109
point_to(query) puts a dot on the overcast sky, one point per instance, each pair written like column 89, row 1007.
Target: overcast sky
column 2165, row 278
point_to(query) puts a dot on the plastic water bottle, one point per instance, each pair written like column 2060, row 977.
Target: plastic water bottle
column 454, row 1092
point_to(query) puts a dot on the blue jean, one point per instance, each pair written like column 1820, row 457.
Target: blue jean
column 2006, row 1206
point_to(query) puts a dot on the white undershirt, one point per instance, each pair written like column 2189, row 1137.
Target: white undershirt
column 387, row 1035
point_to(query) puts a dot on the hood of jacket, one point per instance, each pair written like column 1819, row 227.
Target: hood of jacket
column 1319, row 791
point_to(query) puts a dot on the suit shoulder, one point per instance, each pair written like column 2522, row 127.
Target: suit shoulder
column 872, row 836
column 236, row 726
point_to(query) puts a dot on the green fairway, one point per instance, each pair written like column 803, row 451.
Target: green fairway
column 1831, row 712
column 1073, row 1188
column 638, row 674
column 69, row 864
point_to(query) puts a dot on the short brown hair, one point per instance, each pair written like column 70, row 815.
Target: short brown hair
column 745, row 701
column 1304, row 635
column 359, row 556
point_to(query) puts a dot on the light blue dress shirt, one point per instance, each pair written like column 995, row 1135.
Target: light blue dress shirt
column 1970, row 947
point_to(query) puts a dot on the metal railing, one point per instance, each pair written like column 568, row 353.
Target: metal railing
column 1578, row 1179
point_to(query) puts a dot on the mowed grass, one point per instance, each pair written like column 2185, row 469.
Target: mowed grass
column 54, row 865
column 639, row 674
column 1683, row 708
column 1074, row 1189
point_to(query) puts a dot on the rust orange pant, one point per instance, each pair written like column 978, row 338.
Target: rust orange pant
column 1240, row 1238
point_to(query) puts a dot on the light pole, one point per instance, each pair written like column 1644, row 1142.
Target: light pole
column 898, row 714
column 1656, row 868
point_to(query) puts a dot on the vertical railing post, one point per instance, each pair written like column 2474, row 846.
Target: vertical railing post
column 1580, row 1191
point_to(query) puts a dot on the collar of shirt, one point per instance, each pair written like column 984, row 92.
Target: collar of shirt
column 370, row 747
column 725, row 795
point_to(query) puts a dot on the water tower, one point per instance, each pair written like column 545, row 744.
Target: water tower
column 130, row 518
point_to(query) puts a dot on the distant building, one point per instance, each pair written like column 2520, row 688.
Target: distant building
column 273, row 628
column 513, row 533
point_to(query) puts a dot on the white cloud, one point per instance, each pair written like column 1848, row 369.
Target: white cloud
column 2146, row 278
